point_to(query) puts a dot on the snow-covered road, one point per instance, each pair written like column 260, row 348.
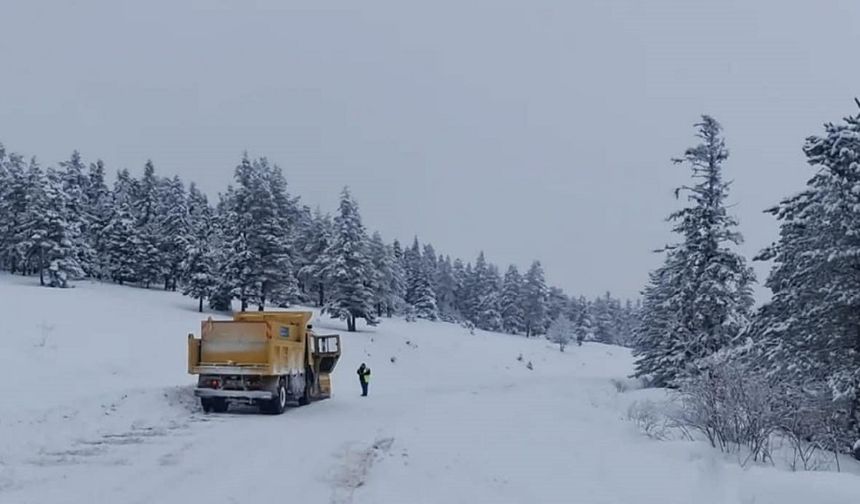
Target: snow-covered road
column 97, row 408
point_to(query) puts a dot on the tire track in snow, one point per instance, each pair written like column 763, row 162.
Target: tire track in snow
column 355, row 467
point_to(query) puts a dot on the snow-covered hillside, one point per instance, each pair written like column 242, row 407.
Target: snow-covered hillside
column 97, row 407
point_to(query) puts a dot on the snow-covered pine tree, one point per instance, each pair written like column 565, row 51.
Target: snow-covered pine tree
column 534, row 300
column 412, row 266
column 809, row 333
column 48, row 237
column 397, row 303
column 99, row 202
column 350, row 267
column 120, row 235
column 31, row 230
column 241, row 266
column 556, row 304
column 510, row 302
column 446, row 286
column 477, row 286
column 382, row 263
column 604, row 316
column 174, row 225
column 583, row 327
column 198, row 267
column 424, row 297
column 279, row 263
column 561, row 331
column 76, row 189
column 13, row 207
column 315, row 245
column 488, row 312
column 232, row 256
column 148, row 263
column 704, row 294
column 628, row 322
column 419, row 292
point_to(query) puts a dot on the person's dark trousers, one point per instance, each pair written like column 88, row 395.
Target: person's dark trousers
column 363, row 388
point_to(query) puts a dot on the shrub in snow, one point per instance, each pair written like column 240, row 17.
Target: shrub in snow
column 529, row 366
column 649, row 419
column 732, row 409
column 561, row 331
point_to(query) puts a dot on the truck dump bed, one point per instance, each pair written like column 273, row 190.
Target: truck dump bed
column 253, row 343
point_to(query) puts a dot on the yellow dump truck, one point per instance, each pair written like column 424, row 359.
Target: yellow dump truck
column 262, row 358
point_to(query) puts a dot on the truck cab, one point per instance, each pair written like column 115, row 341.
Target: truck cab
column 264, row 358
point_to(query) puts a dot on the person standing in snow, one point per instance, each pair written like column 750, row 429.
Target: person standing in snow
column 363, row 378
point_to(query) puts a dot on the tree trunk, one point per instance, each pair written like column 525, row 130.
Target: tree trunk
column 350, row 323
column 262, row 304
column 200, row 305
column 321, row 295
column 41, row 266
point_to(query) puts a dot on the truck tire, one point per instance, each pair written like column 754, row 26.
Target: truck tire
column 305, row 399
column 279, row 403
column 206, row 404
column 219, row 405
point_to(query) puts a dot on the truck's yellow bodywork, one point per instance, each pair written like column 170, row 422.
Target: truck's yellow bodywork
column 250, row 357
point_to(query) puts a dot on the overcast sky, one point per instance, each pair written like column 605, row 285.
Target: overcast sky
column 530, row 129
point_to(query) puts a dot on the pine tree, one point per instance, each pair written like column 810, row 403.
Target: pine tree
column 198, row 267
column 556, row 303
column 458, row 271
column 148, row 264
column 382, row 264
column 534, row 300
column 47, row 237
column 276, row 240
column 99, row 202
column 513, row 314
column 702, row 295
column 30, row 233
column 75, row 185
column 398, row 280
column 14, row 191
column 446, row 286
column 604, row 316
column 583, row 327
column 419, row 291
column 350, row 267
column 485, row 295
column 809, row 333
column 316, row 243
column 174, row 225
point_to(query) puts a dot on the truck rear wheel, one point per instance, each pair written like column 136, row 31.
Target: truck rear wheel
column 206, row 404
column 219, row 405
column 305, row 399
column 278, row 404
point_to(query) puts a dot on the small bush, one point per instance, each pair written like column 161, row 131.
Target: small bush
column 650, row 420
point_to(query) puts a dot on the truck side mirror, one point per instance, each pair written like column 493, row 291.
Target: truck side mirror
column 310, row 327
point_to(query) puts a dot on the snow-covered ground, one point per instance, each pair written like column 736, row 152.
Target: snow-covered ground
column 97, row 407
